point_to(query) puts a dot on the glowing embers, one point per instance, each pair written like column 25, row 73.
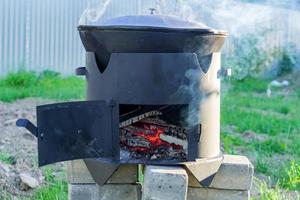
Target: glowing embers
column 154, row 133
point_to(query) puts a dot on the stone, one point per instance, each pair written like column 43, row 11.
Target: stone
column 235, row 173
column 28, row 181
column 217, row 194
column 164, row 182
column 4, row 169
column 77, row 172
column 105, row 192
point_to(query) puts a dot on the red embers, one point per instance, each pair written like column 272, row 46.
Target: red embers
column 150, row 133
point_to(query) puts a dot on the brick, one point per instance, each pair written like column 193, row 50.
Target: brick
column 78, row 173
column 165, row 183
column 217, row 194
column 235, row 173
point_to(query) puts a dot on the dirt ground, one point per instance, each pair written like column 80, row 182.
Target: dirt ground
column 19, row 172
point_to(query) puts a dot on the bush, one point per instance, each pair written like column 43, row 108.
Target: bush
column 248, row 59
column 21, row 79
column 287, row 62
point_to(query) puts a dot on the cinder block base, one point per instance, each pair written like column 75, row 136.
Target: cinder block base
column 106, row 192
column 165, row 183
column 232, row 181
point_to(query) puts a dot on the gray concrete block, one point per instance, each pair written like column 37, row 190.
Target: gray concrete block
column 125, row 174
column 164, row 183
column 105, row 192
column 119, row 192
column 217, row 194
column 235, row 173
column 78, row 173
column 83, row 192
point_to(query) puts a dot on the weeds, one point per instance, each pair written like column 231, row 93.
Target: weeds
column 275, row 126
column 292, row 182
column 55, row 189
column 48, row 85
column 269, row 192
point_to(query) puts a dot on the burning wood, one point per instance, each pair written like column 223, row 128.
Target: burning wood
column 153, row 138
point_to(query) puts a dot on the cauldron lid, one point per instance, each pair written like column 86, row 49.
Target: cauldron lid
column 151, row 21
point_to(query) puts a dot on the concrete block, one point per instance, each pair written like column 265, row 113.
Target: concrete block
column 83, row 192
column 164, row 183
column 217, row 194
column 125, row 174
column 78, row 173
column 119, row 192
column 235, row 173
column 106, row 192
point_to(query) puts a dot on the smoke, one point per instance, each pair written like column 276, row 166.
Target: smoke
column 191, row 90
column 94, row 11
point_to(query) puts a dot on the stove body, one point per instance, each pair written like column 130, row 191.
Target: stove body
column 159, row 79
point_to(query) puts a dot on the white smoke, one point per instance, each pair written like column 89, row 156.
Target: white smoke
column 94, row 11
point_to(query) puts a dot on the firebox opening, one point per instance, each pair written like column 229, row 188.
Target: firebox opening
column 153, row 132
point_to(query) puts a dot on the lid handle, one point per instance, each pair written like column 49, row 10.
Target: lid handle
column 152, row 11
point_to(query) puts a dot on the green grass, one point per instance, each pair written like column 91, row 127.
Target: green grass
column 49, row 85
column 266, row 129
column 292, row 181
column 56, row 189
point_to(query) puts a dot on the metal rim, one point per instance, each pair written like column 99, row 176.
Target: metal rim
column 153, row 29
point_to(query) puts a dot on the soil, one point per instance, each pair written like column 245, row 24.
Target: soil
column 18, row 150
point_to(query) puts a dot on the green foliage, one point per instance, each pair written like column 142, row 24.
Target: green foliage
column 247, row 110
column 21, row 79
column 287, row 62
column 248, row 58
column 229, row 141
column 292, row 182
column 48, row 85
column 261, row 165
column 54, row 190
column 273, row 145
column 268, row 193
column 274, row 124
column 249, row 85
column 284, row 110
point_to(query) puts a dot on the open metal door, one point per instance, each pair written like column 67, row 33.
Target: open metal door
column 77, row 130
